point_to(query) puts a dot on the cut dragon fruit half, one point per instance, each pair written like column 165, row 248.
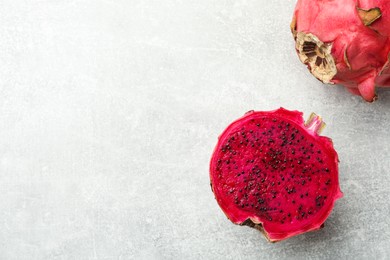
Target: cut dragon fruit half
column 273, row 172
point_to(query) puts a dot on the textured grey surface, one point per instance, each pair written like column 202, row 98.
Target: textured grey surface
column 109, row 112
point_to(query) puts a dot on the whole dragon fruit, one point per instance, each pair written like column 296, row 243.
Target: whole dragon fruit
column 345, row 42
column 272, row 172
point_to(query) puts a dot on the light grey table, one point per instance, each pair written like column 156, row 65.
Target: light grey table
column 109, row 112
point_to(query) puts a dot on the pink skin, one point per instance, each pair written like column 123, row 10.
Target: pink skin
column 367, row 47
column 383, row 78
column 382, row 26
column 288, row 188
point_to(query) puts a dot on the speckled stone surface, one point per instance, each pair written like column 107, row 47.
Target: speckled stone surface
column 109, row 112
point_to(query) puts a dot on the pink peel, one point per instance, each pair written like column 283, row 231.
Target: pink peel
column 274, row 172
column 352, row 34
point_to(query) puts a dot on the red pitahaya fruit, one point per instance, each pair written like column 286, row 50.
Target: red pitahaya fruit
column 272, row 172
column 345, row 42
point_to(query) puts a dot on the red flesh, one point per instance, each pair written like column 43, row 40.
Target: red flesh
column 269, row 168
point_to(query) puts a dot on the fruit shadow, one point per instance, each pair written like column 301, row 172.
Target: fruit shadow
column 384, row 96
column 338, row 93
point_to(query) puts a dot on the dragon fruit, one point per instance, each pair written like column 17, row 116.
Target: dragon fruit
column 273, row 172
column 345, row 42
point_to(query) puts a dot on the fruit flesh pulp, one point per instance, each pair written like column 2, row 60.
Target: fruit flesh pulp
column 270, row 171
